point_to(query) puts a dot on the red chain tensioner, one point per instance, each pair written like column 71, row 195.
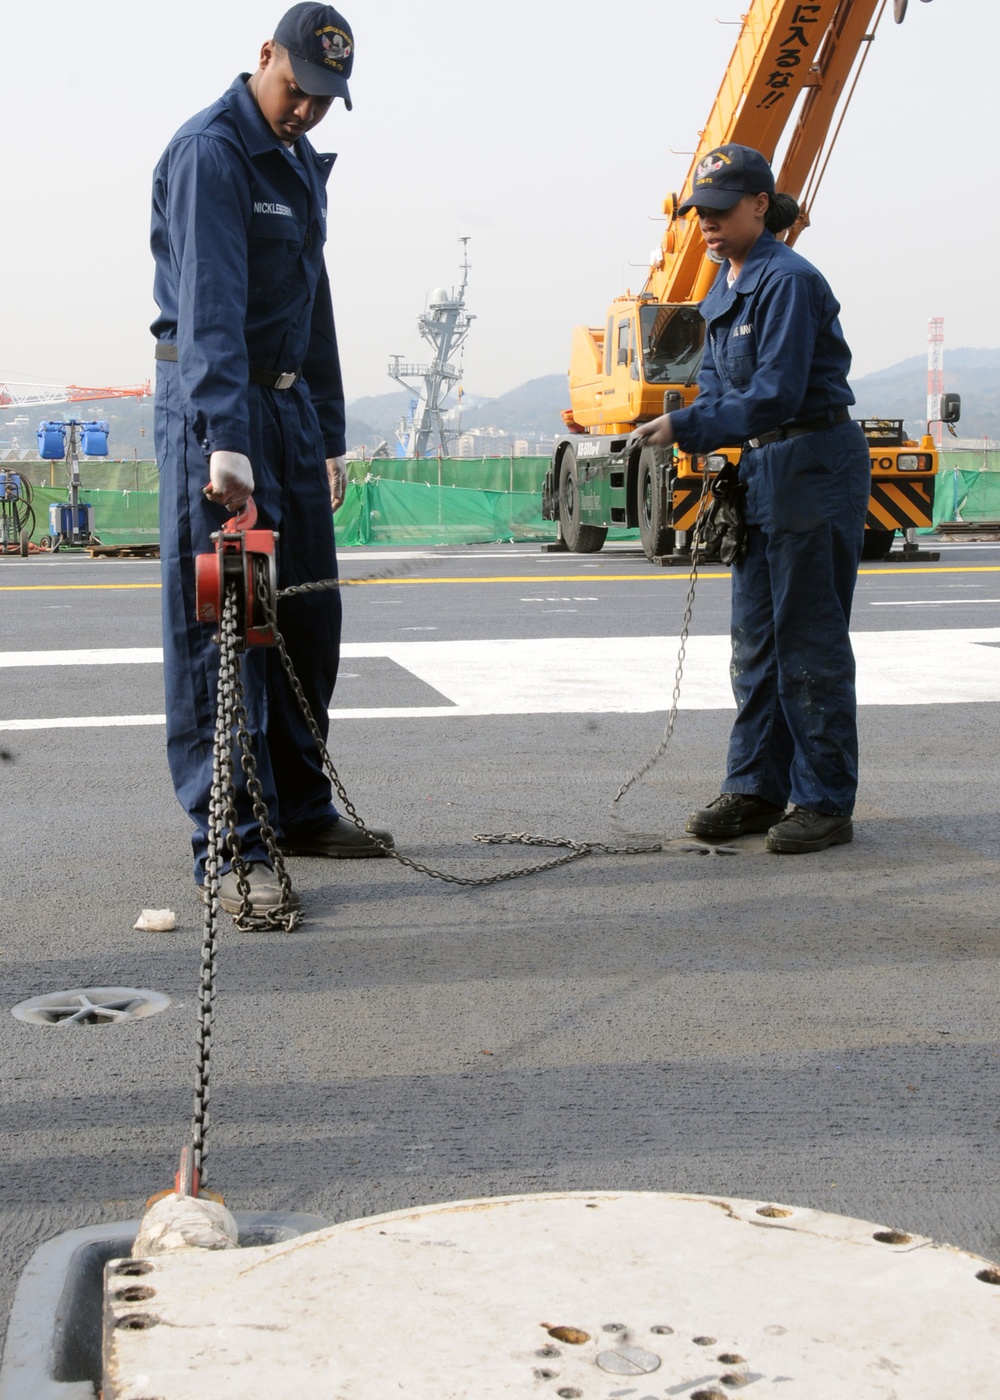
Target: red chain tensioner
column 244, row 557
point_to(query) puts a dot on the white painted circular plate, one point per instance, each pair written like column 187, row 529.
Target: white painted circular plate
column 576, row 1296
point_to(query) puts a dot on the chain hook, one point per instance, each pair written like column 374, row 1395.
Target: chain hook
column 244, row 560
column 245, row 519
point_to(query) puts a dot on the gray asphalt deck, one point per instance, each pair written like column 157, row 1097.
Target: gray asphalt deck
column 821, row 1030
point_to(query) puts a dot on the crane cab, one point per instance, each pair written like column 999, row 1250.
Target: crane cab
column 642, row 362
column 620, row 372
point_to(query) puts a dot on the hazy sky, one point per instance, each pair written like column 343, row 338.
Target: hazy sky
column 549, row 131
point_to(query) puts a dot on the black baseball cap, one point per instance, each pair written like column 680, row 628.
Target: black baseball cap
column 725, row 175
column 320, row 49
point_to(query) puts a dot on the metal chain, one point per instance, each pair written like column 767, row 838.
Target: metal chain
column 327, row 584
column 222, row 830
column 668, row 732
column 283, row 915
column 222, row 815
column 221, row 810
column 575, row 849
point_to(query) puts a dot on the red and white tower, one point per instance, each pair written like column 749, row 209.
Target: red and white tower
column 935, row 374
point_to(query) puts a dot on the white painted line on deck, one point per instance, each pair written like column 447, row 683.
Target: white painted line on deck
column 608, row 675
column 97, row 656
column 933, row 602
column 554, row 675
column 84, row 722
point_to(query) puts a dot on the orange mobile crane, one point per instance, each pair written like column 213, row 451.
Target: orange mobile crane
column 795, row 66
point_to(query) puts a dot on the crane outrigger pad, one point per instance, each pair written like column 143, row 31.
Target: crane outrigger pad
column 573, row 1294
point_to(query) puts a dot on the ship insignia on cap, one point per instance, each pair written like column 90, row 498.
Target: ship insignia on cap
column 336, row 47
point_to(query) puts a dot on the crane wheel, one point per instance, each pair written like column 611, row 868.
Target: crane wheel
column 655, row 534
column 580, row 538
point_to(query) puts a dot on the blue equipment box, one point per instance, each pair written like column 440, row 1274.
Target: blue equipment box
column 61, row 518
column 11, row 486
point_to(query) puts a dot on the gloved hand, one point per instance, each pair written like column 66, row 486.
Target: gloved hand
column 336, row 470
column 658, row 432
column 230, row 479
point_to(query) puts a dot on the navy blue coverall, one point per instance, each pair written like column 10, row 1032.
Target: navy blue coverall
column 775, row 356
column 238, row 228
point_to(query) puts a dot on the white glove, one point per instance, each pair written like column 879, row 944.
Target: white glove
column 658, row 432
column 230, row 479
column 336, row 470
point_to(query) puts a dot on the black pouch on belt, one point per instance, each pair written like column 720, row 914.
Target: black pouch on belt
column 725, row 523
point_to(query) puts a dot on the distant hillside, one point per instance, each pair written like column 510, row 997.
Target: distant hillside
column 374, row 418
column 533, row 408
column 529, row 410
column 901, row 392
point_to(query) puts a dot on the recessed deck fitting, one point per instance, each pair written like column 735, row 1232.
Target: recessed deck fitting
column 91, row 1006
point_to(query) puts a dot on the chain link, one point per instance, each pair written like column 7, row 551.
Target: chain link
column 575, row 850
column 231, row 717
column 668, row 731
column 220, row 805
column 325, row 585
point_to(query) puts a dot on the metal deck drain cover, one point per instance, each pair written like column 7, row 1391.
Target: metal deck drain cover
column 91, row 1006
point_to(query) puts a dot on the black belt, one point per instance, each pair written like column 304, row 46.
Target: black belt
column 809, row 425
column 270, row 378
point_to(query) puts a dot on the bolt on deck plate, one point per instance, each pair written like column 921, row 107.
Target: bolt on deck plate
column 91, row 1006
column 563, row 1295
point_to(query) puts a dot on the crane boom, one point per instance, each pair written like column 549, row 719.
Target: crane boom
column 786, row 48
column 791, row 75
column 24, row 394
column 845, row 49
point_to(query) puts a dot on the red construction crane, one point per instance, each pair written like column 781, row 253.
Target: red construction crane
column 23, row 394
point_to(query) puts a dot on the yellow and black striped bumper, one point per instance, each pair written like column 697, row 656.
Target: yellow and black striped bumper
column 901, row 504
column 898, row 504
column 684, row 500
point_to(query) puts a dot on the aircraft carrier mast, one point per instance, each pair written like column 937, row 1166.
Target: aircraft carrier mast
column 444, row 325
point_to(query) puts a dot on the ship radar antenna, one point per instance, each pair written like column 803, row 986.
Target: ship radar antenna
column 445, row 323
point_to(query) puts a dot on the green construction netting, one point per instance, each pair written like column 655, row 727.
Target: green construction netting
column 478, row 473
column 473, row 504
column 968, row 487
column 451, row 501
column 120, row 517
column 472, row 473
column 96, row 474
column 374, row 512
column 377, row 511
